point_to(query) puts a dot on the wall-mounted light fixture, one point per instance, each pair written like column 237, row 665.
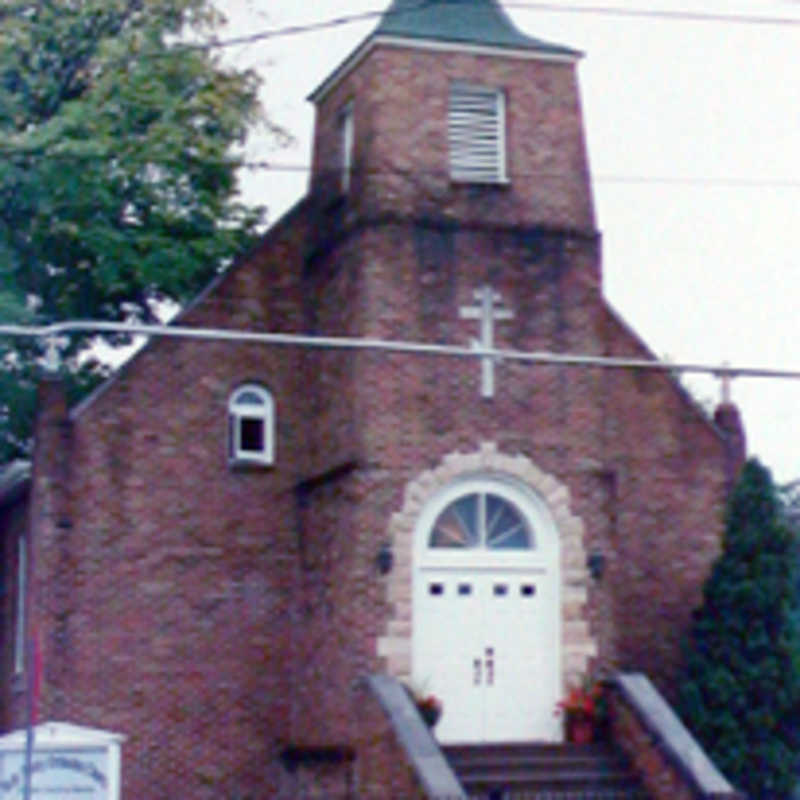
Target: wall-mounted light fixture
column 384, row 561
column 596, row 563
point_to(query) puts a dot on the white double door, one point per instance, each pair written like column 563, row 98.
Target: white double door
column 487, row 643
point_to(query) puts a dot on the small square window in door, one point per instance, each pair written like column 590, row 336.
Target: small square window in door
column 436, row 588
column 527, row 590
column 500, row 589
column 464, row 589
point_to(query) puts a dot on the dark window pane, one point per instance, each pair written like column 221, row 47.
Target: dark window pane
column 249, row 398
column 251, row 435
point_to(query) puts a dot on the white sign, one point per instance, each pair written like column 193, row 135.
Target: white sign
column 68, row 762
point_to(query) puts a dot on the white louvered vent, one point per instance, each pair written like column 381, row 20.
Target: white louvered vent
column 477, row 134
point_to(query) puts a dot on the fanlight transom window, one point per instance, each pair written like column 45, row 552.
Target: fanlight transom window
column 482, row 520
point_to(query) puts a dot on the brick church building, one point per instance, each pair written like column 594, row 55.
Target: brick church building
column 224, row 541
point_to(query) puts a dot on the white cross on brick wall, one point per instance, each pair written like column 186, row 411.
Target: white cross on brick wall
column 486, row 310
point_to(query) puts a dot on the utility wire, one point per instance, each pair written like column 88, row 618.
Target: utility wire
column 558, row 8
column 606, row 10
column 744, row 182
column 289, row 30
column 658, row 14
column 51, row 336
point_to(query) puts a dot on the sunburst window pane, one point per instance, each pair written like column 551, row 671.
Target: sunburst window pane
column 457, row 525
column 506, row 528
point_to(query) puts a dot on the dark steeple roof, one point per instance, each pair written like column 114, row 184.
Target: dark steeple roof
column 477, row 22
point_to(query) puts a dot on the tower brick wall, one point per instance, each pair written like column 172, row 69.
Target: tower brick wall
column 399, row 97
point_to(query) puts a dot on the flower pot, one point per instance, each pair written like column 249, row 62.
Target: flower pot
column 430, row 714
column 580, row 729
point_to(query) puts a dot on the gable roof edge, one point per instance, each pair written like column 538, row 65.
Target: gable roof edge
column 435, row 45
column 208, row 289
column 685, row 395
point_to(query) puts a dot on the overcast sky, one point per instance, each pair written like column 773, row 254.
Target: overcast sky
column 693, row 130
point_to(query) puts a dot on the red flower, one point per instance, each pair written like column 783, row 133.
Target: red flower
column 582, row 700
column 430, row 702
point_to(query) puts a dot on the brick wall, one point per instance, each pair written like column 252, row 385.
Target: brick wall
column 174, row 621
column 662, row 779
column 643, row 471
column 663, row 752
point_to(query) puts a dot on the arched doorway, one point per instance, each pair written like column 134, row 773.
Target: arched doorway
column 487, row 610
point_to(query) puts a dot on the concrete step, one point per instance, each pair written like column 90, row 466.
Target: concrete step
column 540, row 794
column 544, row 772
column 558, row 756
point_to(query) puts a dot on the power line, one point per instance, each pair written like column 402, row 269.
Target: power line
column 604, row 10
column 51, row 334
column 745, row 182
column 274, row 33
column 658, row 14
column 716, row 182
column 722, row 181
column 550, row 7
column 596, row 10
column 289, row 30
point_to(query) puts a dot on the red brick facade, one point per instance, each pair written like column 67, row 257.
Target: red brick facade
column 215, row 614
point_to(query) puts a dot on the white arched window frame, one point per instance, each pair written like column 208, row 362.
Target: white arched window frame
column 251, row 419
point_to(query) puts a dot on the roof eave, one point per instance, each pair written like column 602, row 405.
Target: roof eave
column 15, row 482
column 533, row 53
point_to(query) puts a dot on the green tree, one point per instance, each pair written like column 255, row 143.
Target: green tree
column 117, row 167
column 741, row 688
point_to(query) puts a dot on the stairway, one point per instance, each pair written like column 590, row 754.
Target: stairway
column 544, row 772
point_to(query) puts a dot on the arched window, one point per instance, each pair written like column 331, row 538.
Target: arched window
column 251, row 415
column 482, row 520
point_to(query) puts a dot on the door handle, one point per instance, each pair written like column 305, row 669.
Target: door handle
column 476, row 671
column 490, row 666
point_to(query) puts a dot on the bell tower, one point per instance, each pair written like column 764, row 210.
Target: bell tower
column 447, row 109
column 449, row 163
